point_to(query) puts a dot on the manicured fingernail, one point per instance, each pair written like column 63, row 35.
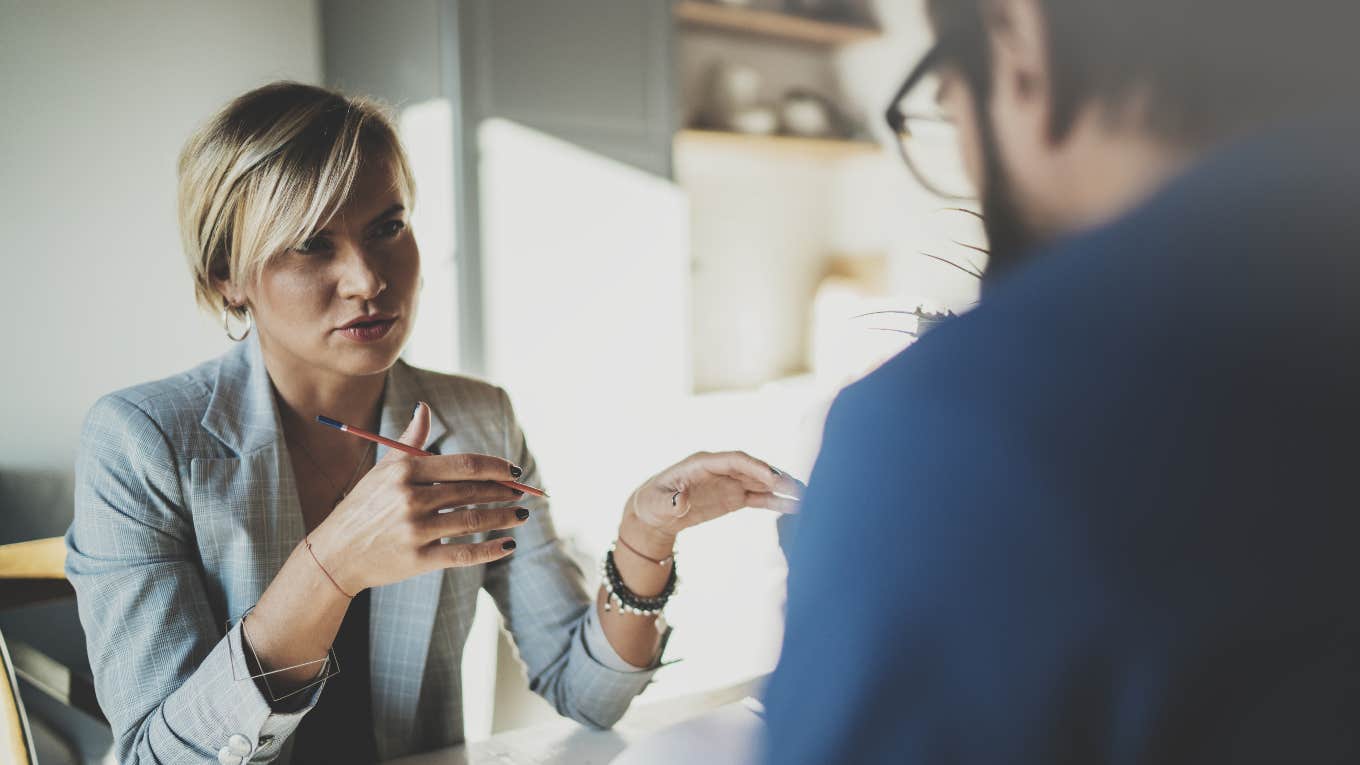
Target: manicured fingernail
column 508, row 544
column 516, row 471
column 775, row 470
column 675, row 498
column 416, row 411
column 522, row 513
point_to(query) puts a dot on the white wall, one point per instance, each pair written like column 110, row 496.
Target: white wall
column 97, row 100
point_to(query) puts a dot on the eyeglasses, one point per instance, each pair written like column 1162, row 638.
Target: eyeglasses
column 926, row 138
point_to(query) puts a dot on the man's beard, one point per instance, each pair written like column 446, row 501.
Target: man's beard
column 1009, row 239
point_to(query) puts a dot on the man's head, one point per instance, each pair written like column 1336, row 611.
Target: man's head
column 1069, row 112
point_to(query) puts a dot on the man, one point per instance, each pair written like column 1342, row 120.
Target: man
column 1111, row 515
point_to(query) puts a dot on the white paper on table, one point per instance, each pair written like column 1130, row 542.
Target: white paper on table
column 729, row 735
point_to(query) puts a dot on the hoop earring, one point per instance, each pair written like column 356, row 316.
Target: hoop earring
column 226, row 325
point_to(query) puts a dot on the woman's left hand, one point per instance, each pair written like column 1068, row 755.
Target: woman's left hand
column 709, row 485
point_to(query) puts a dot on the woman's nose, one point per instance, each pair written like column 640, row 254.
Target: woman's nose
column 359, row 278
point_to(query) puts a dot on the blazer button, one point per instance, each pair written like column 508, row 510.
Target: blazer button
column 240, row 745
column 226, row 757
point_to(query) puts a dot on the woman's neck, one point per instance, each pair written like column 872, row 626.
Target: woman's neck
column 304, row 391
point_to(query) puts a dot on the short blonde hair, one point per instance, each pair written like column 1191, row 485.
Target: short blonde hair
column 269, row 170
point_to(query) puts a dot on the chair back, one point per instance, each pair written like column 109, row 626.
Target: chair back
column 16, row 740
column 30, row 572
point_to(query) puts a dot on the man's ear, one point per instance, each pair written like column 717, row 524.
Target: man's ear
column 1020, row 67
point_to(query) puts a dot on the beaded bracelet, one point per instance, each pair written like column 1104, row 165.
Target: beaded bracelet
column 627, row 601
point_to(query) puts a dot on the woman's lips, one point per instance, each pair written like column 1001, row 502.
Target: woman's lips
column 368, row 331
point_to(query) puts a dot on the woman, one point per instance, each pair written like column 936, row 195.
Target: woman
column 230, row 554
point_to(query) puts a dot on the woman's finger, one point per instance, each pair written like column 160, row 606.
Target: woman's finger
column 740, row 464
column 788, row 486
column 458, row 523
column 438, row 468
column 415, row 434
column 773, row 502
column 677, row 505
column 427, row 499
column 452, row 555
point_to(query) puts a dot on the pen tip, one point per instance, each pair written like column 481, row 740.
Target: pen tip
column 324, row 420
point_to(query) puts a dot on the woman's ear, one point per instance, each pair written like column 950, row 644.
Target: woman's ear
column 229, row 291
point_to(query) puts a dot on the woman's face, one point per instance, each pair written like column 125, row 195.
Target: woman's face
column 345, row 301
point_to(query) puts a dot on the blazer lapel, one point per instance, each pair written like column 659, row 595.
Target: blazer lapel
column 258, row 490
column 403, row 613
column 246, row 504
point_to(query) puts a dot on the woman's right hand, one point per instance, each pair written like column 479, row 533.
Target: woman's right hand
column 389, row 527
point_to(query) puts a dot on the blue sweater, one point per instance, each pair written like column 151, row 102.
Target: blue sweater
column 1113, row 514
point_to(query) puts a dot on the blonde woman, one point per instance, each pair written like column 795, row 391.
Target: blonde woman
column 230, row 554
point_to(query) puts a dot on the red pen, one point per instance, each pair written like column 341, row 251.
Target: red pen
column 377, row 439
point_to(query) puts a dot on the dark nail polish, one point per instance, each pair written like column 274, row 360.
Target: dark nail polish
column 522, row 513
column 515, row 471
column 416, row 411
column 675, row 499
column 508, row 544
column 775, row 470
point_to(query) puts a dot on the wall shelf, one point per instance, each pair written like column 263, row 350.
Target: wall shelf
column 825, row 147
column 783, row 26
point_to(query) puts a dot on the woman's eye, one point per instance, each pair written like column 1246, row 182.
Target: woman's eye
column 315, row 244
column 391, row 228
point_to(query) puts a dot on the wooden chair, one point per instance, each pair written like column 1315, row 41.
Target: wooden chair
column 30, row 573
column 16, row 740
column 33, row 572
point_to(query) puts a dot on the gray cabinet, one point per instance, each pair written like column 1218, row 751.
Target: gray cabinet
column 595, row 73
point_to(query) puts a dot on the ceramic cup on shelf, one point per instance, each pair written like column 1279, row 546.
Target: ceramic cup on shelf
column 805, row 115
column 809, row 114
column 755, row 120
column 733, row 100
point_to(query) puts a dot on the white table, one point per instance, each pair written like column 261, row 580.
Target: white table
column 563, row 742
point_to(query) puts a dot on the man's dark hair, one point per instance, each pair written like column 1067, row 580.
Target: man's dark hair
column 1211, row 68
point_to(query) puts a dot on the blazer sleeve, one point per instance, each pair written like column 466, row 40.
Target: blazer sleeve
column 541, row 594
column 170, row 677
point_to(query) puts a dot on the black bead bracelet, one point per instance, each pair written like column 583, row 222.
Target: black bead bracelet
column 627, row 601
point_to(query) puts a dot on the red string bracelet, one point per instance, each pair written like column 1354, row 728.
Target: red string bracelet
column 308, row 542
column 639, row 553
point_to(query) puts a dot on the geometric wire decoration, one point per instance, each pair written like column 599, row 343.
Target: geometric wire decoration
column 330, row 664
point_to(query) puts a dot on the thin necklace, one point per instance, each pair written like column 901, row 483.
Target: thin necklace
column 340, row 493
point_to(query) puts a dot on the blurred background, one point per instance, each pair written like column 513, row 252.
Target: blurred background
column 662, row 225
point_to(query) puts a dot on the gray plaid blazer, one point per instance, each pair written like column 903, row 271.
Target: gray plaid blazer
column 186, row 508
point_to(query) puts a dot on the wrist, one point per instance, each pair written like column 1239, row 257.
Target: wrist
column 317, row 550
column 648, row 539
